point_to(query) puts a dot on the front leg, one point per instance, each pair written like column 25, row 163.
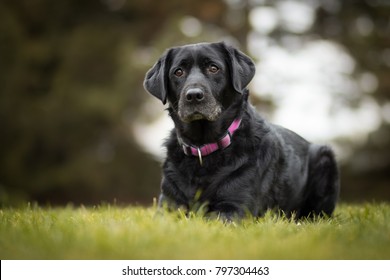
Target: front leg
column 234, row 195
column 227, row 212
column 171, row 197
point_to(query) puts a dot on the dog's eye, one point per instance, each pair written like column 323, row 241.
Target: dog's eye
column 213, row 69
column 178, row 72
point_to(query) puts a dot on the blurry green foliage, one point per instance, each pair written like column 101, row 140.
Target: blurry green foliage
column 70, row 89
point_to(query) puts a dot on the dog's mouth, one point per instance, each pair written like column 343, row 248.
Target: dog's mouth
column 210, row 114
column 196, row 116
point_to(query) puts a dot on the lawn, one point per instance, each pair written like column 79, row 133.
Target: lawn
column 112, row 232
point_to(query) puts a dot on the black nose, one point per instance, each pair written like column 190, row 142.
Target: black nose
column 194, row 95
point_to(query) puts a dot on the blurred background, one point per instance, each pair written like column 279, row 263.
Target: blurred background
column 78, row 127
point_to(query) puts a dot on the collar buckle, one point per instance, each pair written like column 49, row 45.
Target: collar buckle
column 200, row 156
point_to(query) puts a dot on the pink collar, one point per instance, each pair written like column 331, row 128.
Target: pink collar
column 209, row 148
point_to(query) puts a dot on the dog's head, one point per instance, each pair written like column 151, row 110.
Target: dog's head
column 200, row 81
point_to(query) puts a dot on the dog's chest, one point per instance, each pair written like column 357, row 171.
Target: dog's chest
column 199, row 183
column 202, row 182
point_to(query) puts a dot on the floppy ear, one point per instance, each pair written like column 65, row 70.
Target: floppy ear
column 241, row 67
column 156, row 79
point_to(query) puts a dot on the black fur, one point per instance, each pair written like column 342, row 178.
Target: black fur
column 265, row 167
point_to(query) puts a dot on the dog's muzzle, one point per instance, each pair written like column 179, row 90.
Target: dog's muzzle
column 196, row 103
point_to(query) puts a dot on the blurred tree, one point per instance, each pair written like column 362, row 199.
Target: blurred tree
column 363, row 27
column 70, row 89
column 64, row 137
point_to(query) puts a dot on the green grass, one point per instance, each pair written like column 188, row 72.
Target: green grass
column 110, row 232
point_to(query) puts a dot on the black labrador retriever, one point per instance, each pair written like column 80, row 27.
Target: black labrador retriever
column 222, row 153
